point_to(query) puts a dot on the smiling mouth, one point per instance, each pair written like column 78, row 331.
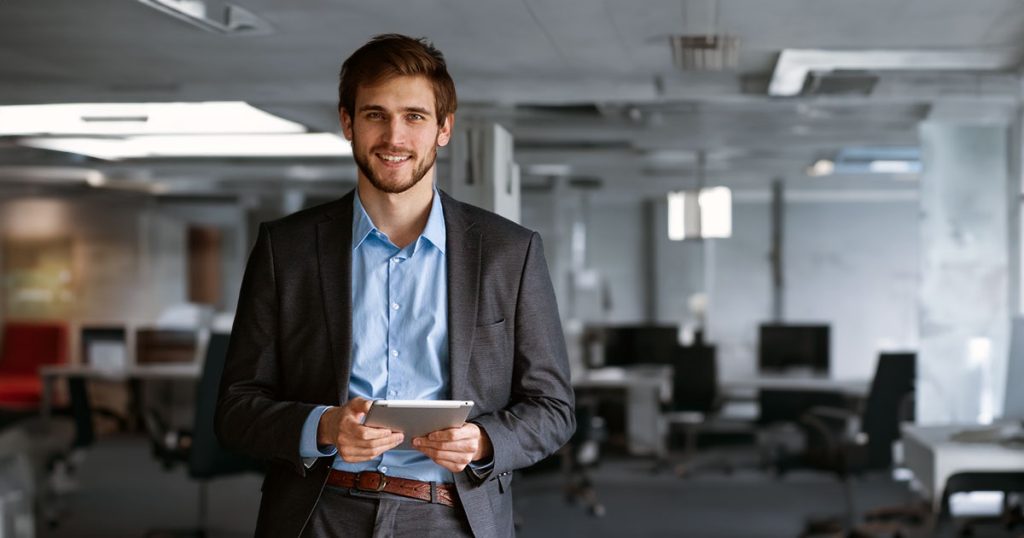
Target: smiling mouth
column 393, row 159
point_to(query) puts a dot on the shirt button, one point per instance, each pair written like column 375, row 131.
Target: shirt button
column 394, row 260
column 395, row 306
column 394, row 352
column 383, row 468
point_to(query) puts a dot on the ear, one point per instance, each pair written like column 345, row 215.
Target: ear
column 444, row 135
column 346, row 123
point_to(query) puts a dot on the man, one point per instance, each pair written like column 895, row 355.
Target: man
column 395, row 291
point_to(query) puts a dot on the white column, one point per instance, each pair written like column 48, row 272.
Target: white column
column 483, row 170
column 964, row 299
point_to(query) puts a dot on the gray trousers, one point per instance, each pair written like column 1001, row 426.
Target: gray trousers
column 343, row 513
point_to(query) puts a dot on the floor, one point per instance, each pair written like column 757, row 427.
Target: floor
column 123, row 492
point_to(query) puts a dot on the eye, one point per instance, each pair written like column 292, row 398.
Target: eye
column 416, row 117
column 374, row 115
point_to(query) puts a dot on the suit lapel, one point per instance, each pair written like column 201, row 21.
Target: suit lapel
column 334, row 254
column 463, row 262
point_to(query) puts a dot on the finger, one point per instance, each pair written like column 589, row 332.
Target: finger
column 453, row 467
column 465, row 445
column 466, row 431
column 369, row 450
column 447, row 457
column 360, row 431
column 387, row 441
column 446, row 451
column 363, row 435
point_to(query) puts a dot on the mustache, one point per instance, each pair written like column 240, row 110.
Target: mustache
column 392, row 149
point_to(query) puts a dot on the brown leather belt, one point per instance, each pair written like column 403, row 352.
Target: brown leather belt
column 378, row 482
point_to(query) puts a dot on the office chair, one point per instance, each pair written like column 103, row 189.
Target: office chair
column 581, row 454
column 846, row 444
column 695, row 400
column 781, row 439
column 54, row 448
column 198, row 449
column 25, row 348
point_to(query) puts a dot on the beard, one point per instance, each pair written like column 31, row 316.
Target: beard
column 395, row 185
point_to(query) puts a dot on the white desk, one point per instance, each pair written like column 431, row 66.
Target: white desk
column 646, row 387
column 130, row 374
column 933, row 456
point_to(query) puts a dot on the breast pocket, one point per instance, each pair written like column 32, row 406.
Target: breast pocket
column 491, row 364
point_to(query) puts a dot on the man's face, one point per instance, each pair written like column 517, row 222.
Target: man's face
column 395, row 133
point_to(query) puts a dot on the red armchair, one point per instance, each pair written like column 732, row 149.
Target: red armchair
column 27, row 346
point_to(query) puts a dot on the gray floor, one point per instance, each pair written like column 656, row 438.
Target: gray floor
column 123, row 492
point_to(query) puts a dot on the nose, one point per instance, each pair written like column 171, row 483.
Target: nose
column 395, row 133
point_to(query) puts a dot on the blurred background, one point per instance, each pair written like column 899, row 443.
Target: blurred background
column 784, row 237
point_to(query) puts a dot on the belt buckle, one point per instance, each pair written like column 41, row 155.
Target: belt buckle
column 382, row 481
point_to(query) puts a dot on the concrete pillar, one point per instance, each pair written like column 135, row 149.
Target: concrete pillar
column 483, row 172
column 964, row 299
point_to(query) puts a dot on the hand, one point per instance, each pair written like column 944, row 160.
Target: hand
column 454, row 448
column 343, row 428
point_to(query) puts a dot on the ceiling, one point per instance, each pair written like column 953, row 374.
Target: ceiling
column 586, row 84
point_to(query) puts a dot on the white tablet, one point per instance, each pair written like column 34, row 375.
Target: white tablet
column 416, row 418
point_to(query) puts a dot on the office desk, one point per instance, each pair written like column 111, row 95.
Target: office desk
column 646, row 387
column 133, row 375
column 933, row 456
column 751, row 384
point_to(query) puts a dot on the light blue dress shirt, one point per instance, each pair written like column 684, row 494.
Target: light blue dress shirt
column 399, row 334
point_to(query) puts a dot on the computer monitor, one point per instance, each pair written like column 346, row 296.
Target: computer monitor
column 787, row 348
column 638, row 344
column 104, row 346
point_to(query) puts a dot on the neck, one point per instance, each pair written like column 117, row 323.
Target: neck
column 401, row 216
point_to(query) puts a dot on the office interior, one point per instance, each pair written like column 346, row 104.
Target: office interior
column 785, row 240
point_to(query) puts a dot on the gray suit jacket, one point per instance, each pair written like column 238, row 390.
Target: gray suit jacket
column 291, row 351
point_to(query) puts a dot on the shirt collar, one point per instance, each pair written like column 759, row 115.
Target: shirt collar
column 434, row 231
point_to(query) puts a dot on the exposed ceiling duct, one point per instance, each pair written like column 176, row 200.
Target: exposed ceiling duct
column 703, row 46
column 705, row 52
column 203, row 14
column 794, row 65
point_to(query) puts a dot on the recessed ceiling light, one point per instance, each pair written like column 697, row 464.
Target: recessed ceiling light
column 894, row 167
column 112, row 119
column 143, row 147
column 821, row 167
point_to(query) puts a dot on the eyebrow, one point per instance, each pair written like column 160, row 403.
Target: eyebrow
column 378, row 108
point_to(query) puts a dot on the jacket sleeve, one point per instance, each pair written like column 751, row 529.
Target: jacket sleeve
column 539, row 418
column 251, row 419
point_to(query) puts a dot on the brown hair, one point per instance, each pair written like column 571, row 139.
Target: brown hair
column 390, row 55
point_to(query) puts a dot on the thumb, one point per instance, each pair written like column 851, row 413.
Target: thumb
column 360, row 405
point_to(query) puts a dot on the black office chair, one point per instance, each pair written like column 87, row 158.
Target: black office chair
column 582, row 454
column 198, row 448
column 847, row 444
column 695, row 400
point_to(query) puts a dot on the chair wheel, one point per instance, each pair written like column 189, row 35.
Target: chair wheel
column 597, row 510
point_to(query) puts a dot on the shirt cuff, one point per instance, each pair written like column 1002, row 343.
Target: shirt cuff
column 308, row 447
column 481, row 469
